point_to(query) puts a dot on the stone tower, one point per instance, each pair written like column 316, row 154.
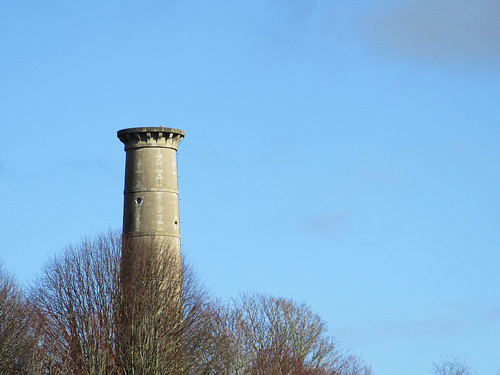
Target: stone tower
column 151, row 196
column 151, row 269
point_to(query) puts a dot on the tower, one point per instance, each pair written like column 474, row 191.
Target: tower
column 151, row 196
column 151, row 280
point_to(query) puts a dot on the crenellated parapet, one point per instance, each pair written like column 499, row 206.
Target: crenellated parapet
column 151, row 137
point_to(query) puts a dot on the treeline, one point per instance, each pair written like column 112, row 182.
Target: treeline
column 77, row 319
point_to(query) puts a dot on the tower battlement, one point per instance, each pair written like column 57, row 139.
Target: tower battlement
column 151, row 137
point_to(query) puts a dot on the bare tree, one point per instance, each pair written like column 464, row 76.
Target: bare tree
column 353, row 365
column 287, row 328
column 453, row 366
column 162, row 311
column 257, row 334
column 91, row 325
column 109, row 306
column 76, row 298
column 18, row 333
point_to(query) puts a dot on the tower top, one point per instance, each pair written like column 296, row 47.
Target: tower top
column 151, row 137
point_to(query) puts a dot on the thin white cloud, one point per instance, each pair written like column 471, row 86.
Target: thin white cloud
column 493, row 315
column 383, row 175
column 437, row 326
column 328, row 225
column 444, row 30
column 416, row 329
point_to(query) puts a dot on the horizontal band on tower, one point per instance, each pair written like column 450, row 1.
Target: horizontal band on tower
column 150, row 190
column 150, row 145
column 156, row 234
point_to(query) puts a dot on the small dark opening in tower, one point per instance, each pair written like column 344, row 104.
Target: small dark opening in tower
column 138, row 200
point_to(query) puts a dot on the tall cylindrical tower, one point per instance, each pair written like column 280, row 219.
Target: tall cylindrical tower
column 151, row 269
column 151, row 196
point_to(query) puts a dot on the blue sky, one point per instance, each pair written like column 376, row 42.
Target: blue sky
column 340, row 153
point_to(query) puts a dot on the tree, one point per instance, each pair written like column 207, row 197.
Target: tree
column 161, row 311
column 84, row 310
column 76, row 298
column 18, row 333
column 109, row 306
column 454, row 366
column 257, row 334
column 353, row 365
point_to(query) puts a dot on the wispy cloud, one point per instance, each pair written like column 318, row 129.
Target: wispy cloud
column 327, row 19
column 376, row 333
column 453, row 324
column 492, row 315
column 328, row 225
column 98, row 165
column 383, row 175
column 440, row 30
